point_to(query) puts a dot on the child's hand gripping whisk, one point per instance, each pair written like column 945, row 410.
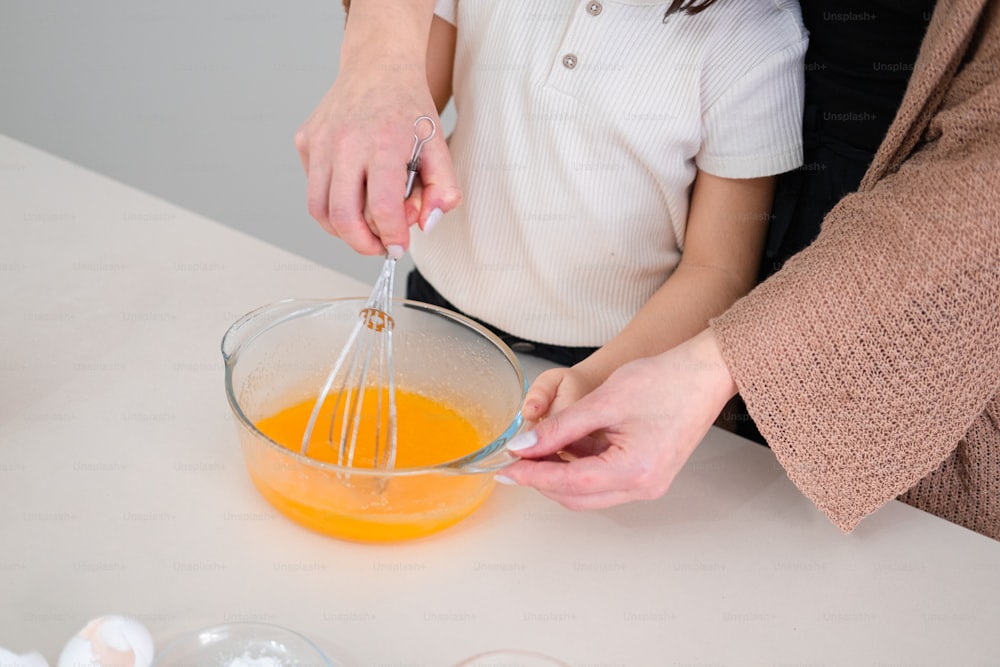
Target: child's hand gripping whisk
column 368, row 361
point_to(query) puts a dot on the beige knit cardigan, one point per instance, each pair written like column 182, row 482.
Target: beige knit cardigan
column 871, row 362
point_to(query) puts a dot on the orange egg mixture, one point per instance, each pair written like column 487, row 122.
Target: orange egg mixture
column 367, row 507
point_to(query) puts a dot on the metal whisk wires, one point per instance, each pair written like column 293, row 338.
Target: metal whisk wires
column 368, row 358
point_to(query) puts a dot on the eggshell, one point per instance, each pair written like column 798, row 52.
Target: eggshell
column 109, row 641
column 33, row 659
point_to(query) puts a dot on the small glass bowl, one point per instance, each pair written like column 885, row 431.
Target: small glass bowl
column 243, row 645
column 511, row 658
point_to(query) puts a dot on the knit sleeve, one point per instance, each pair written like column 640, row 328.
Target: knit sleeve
column 867, row 358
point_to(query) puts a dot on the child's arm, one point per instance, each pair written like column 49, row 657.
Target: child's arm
column 724, row 239
column 440, row 61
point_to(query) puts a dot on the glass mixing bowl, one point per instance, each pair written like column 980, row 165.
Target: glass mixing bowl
column 279, row 355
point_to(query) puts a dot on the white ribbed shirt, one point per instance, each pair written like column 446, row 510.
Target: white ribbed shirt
column 580, row 126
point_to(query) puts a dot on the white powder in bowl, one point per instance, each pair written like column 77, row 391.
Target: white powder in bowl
column 246, row 660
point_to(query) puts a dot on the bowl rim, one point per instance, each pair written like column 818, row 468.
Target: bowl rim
column 465, row 464
column 174, row 644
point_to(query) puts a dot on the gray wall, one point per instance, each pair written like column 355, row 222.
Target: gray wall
column 195, row 101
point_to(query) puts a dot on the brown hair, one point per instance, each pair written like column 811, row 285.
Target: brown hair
column 689, row 6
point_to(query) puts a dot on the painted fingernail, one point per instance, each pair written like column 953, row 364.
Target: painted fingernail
column 395, row 251
column 503, row 479
column 522, row 441
column 433, row 219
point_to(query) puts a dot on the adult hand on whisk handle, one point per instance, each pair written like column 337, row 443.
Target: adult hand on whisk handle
column 355, row 144
column 372, row 206
column 424, row 130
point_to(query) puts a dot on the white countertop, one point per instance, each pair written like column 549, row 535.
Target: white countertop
column 123, row 491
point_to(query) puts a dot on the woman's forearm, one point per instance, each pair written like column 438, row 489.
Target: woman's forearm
column 387, row 33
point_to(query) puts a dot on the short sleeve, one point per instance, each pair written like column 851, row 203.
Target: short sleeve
column 446, row 9
column 754, row 128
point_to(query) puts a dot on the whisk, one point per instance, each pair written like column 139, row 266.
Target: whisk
column 368, row 359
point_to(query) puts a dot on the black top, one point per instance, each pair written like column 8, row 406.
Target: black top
column 859, row 60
